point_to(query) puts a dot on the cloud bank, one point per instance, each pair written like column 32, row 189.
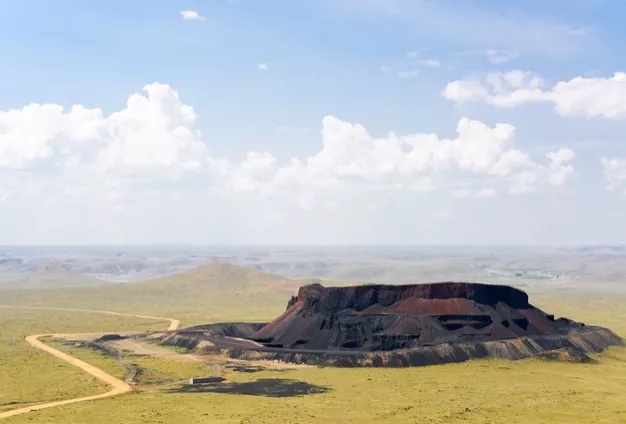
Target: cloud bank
column 584, row 97
column 154, row 141
column 86, row 165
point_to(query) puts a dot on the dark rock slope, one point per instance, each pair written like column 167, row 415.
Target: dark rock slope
column 388, row 317
column 582, row 341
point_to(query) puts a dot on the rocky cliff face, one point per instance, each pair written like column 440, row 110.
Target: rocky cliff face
column 389, row 317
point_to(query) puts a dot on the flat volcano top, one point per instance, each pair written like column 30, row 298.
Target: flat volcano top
column 388, row 317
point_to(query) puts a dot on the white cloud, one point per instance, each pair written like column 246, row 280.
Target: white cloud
column 191, row 15
column 482, row 193
column 410, row 73
column 154, row 131
column 154, row 141
column 22, row 143
column 498, row 57
column 615, row 173
column 46, row 150
column 351, row 159
column 150, row 153
column 411, row 65
column 493, row 56
column 430, row 63
column 589, row 97
column 263, row 66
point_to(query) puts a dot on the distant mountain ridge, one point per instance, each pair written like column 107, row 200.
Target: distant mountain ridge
column 212, row 289
column 51, row 276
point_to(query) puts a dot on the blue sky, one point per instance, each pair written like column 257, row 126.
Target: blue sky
column 262, row 75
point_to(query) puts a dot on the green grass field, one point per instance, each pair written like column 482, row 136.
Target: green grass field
column 484, row 391
column 481, row 391
column 214, row 292
column 28, row 375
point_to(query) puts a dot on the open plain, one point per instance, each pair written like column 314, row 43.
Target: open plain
column 542, row 390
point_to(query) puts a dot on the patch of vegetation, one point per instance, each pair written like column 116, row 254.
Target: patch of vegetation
column 154, row 370
column 103, row 359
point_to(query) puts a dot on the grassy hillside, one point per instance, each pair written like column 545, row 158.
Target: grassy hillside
column 591, row 308
column 223, row 292
column 216, row 291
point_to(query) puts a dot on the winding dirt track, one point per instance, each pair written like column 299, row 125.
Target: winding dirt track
column 118, row 386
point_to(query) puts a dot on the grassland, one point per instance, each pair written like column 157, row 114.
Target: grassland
column 607, row 310
column 475, row 392
column 210, row 293
column 154, row 371
column 483, row 391
column 30, row 376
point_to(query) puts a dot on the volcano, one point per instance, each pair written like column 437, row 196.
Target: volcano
column 388, row 317
column 400, row 325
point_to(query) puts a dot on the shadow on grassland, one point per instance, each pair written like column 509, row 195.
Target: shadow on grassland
column 270, row 387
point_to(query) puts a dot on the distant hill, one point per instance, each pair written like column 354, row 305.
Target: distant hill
column 210, row 292
column 51, row 276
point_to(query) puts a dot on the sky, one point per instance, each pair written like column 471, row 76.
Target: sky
column 392, row 122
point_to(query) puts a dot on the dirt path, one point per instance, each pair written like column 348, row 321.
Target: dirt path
column 149, row 349
column 118, row 386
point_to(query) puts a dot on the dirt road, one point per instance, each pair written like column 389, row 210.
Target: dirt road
column 118, row 386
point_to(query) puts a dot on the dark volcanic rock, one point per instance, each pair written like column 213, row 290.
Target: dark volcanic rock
column 109, row 338
column 228, row 329
column 389, row 317
column 398, row 326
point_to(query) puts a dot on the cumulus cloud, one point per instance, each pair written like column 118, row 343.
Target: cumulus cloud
column 615, row 173
column 152, row 147
column 116, row 177
column 155, row 130
column 33, row 133
column 351, row 159
column 191, row 15
column 589, row 97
